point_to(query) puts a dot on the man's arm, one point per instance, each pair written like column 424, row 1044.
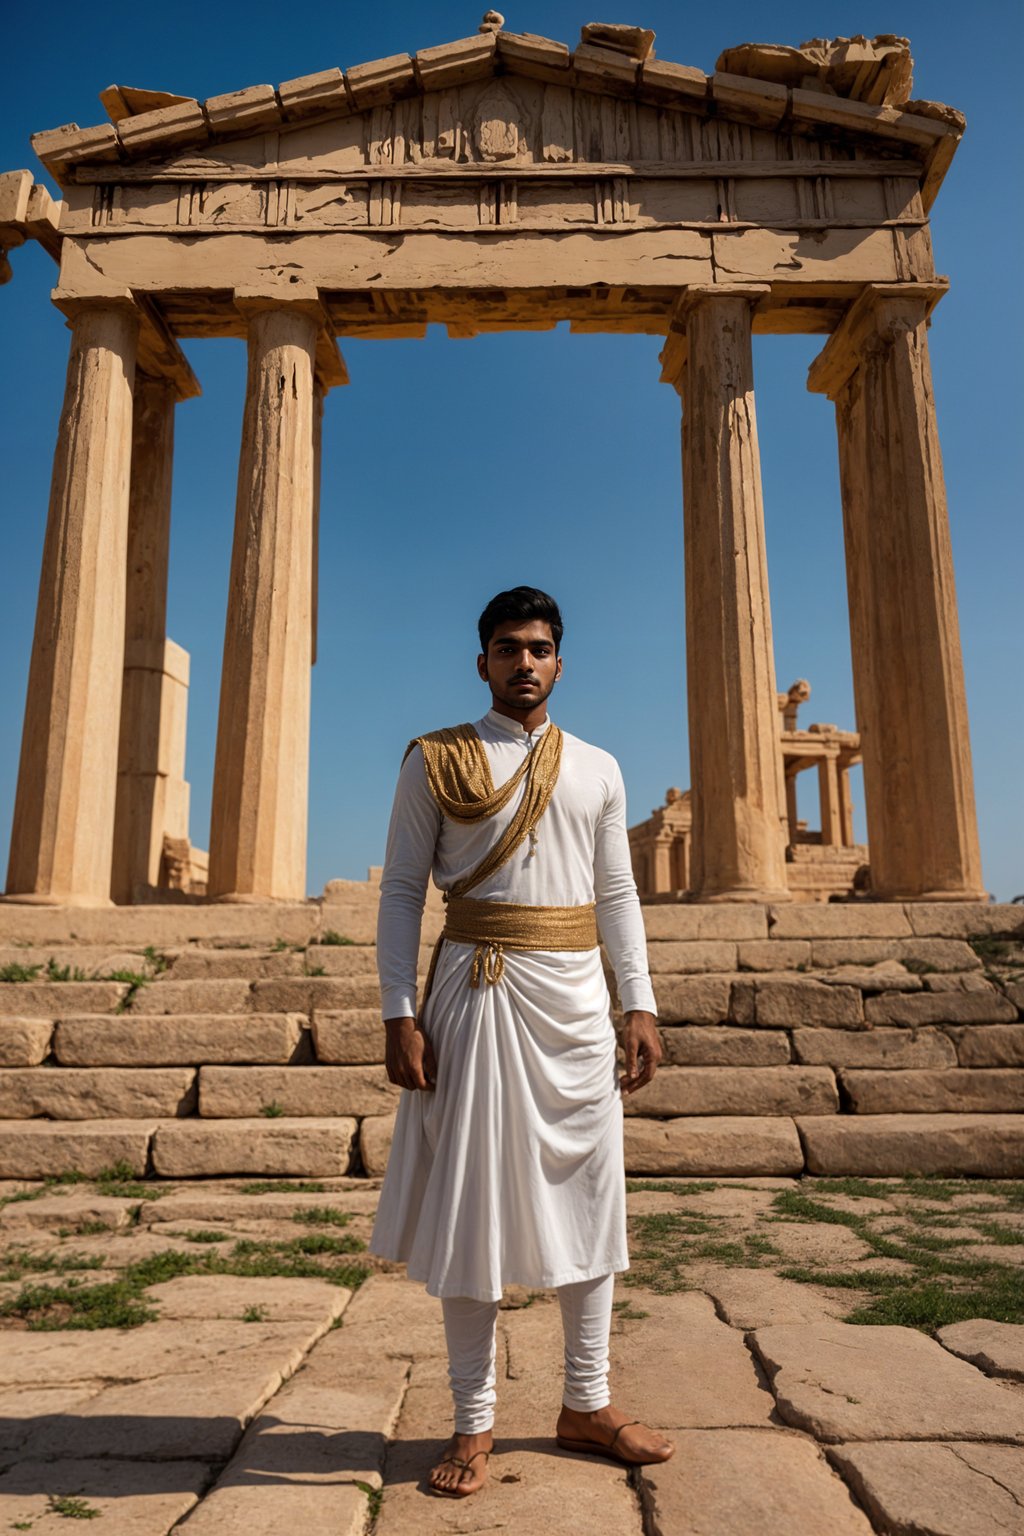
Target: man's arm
column 622, row 928
column 409, row 855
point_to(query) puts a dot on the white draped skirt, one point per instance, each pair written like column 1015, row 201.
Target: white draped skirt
column 511, row 1170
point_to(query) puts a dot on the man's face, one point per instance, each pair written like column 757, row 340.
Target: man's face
column 521, row 666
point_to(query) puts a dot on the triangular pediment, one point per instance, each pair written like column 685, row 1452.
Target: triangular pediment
column 501, row 102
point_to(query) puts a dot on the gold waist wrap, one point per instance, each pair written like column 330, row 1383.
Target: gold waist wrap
column 494, row 926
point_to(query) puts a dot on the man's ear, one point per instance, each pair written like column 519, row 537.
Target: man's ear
column 558, row 669
column 481, row 667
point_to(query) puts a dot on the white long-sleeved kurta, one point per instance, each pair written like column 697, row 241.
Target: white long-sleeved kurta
column 511, row 1170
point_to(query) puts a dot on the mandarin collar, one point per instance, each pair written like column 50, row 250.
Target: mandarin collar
column 511, row 727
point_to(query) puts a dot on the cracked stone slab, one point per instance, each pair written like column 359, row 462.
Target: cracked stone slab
column 847, row 1381
column 681, row 1366
column 138, row 1498
column 735, row 1482
column 228, row 1296
column 997, row 1348
column 189, row 1206
column 755, row 1298
column 21, row 1406
column 937, row 1489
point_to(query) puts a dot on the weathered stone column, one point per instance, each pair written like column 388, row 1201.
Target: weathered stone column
column 828, row 797
column 261, row 768
column 905, row 639
column 155, row 670
column 738, row 851
column 62, row 836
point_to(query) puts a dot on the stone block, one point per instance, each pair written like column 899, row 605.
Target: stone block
column 839, row 1381
column 305, row 1148
column 783, row 1000
column 375, row 1133
column 39, row 1149
column 692, row 999
column 96, row 1093
column 381, row 80
column 995, row 1348
column 244, row 111
column 310, row 94
column 742, row 1002
column 209, row 995
column 991, row 1045
column 164, row 129
column 729, row 1482
column 219, row 964
column 227, row 1296
column 839, row 920
column 941, row 1488
column 942, row 954
column 704, row 1045
column 773, row 954
column 131, row 1039
column 885, row 976
column 957, row 1090
column 969, row 981
column 24, row 1042
column 51, row 999
column 696, row 957
column 709, row 920
column 348, row 1036
column 725, row 1145
column 989, row 1007
column 71, row 1212
column 874, row 1048
column 958, row 919
column 788, row 1090
column 304, row 994
column 230, row 1092
column 889, row 1146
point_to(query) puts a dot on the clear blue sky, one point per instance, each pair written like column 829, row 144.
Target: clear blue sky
column 455, row 468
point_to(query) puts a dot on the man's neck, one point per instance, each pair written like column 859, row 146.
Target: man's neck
column 529, row 719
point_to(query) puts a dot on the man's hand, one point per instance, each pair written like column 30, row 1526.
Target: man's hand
column 642, row 1046
column 409, row 1055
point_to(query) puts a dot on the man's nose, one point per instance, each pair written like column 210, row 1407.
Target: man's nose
column 524, row 662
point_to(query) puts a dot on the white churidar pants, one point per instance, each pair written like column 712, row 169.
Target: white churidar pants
column 469, row 1327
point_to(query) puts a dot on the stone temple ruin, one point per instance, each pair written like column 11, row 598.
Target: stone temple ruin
column 503, row 181
column 820, row 865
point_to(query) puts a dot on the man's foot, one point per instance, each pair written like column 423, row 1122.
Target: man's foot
column 610, row 1432
column 462, row 1469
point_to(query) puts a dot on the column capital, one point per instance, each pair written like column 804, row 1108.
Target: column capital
column 73, row 303
column 673, row 354
column 303, row 299
column 874, row 309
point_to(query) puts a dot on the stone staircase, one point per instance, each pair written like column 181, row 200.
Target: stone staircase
column 210, row 1040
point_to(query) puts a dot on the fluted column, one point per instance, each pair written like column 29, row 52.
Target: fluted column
column 261, row 768
column 905, row 639
column 62, row 837
column 738, row 848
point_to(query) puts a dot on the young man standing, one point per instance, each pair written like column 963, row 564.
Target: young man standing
column 507, row 1163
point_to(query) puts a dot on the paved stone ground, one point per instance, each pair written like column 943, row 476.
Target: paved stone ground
column 223, row 1357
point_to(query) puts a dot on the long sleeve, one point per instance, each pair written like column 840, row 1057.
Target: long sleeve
column 408, row 859
column 618, row 906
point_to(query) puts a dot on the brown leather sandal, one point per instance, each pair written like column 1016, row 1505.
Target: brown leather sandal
column 593, row 1448
column 457, row 1492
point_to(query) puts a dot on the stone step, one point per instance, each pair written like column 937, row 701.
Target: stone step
column 42, row 1149
column 97, row 1093
column 784, row 1090
column 348, row 1036
column 153, row 1040
column 715, row 1144
column 958, row 1090
column 230, row 1092
column 887, row 1146
column 296, row 1148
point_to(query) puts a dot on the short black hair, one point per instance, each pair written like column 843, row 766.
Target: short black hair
column 519, row 603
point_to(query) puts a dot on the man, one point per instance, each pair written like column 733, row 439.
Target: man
column 507, row 1163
